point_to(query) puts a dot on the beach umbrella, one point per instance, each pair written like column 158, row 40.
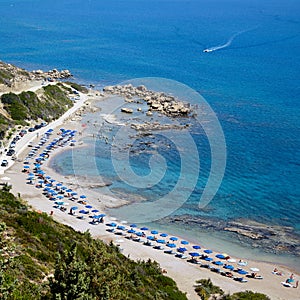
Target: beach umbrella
column 229, row 267
column 83, row 211
column 83, row 196
column 131, row 231
column 220, row 256
column 184, row 242
column 139, row 233
column 242, row 272
column 26, row 167
column 208, row 251
column 161, row 241
column 254, row 269
column 181, row 249
column 163, row 235
column 218, row 263
column 154, row 231
column 95, row 210
column 151, row 238
column 96, row 217
column 208, row 259
column 59, row 184
column 30, row 177
column 60, row 197
column 68, row 191
column 121, row 227
column 194, row 254
column 171, row 245
column 173, row 238
column 41, row 172
column 41, row 181
column 196, row 247
column 26, row 163
column 74, row 207
column 48, row 177
column 74, row 194
column 89, row 206
column 144, row 228
column 59, row 202
column 102, row 215
column 133, row 225
column 48, row 184
column 64, row 188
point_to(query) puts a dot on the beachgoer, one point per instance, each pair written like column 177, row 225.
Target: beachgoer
column 296, row 285
column 51, row 213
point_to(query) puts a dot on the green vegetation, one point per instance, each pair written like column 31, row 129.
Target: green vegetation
column 49, row 105
column 43, row 259
column 206, row 290
column 78, row 87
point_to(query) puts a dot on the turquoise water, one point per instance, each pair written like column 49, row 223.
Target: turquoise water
column 252, row 84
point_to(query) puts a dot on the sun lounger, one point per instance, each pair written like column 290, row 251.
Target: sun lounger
column 148, row 243
column 240, row 279
column 169, row 252
column 286, row 284
column 158, row 247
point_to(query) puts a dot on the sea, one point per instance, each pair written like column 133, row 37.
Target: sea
column 246, row 82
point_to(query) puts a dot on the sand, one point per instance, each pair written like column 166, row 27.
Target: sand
column 184, row 273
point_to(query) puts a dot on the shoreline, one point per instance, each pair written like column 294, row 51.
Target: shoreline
column 138, row 251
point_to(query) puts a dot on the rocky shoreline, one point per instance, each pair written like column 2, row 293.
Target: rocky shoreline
column 156, row 101
column 12, row 75
column 270, row 238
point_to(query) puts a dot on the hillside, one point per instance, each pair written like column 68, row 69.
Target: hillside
column 33, row 246
column 27, row 107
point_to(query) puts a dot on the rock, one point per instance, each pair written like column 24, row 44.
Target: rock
column 127, row 110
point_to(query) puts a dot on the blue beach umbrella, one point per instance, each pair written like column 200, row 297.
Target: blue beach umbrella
column 73, row 193
column 74, row 207
column 60, row 197
column 68, row 191
column 139, row 233
column 208, row 259
column 133, row 225
column 96, row 217
column 196, row 247
column 242, row 272
column 181, row 249
column 26, row 167
column 144, row 228
column 89, row 206
column 220, row 256
column 163, row 235
column 171, row 245
column 83, row 196
column 161, row 241
column 154, row 231
column 184, row 242
column 59, row 184
column 59, row 202
column 194, row 254
column 173, row 238
column 151, row 237
column 83, row 211
column 131, row 231
column 102, row 215
column 95, row 210
column 121, row 227
column 229, row 267
column 207, row 251
column 218, row 263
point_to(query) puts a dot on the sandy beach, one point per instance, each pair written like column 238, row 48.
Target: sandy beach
column 184, row 273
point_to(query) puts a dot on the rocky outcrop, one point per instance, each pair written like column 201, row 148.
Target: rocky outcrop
column 271, row 238
column 11, row 75
column 156, row 101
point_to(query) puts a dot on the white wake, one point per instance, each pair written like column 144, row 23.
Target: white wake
column 227, row 44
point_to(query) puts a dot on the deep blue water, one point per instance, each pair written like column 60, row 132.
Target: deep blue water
column 252, row 85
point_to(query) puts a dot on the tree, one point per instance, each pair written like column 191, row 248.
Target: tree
column 70, row 279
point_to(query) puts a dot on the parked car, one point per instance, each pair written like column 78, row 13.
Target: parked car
column 31, row 129
column 10, row 152
column 4, row 163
